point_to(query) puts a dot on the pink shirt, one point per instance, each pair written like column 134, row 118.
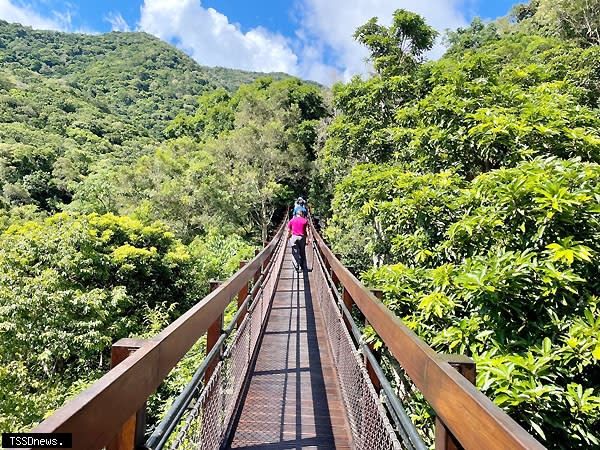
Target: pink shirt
column 298, row 225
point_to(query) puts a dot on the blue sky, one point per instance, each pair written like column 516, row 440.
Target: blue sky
column 308, row 38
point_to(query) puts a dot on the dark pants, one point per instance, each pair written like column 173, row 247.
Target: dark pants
column 299, row 251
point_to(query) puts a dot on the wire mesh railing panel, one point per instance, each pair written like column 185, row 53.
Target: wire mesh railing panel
column 417, row 408
column 235, row 364
column 207, row 418
column 254, row 324
column 369, row 424
column 212, row 428
column 201, row 427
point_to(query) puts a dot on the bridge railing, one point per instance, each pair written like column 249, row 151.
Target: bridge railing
column 465, row 417
column 106, row 412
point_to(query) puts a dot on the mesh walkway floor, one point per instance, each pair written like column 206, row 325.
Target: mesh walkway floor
column 293, row 400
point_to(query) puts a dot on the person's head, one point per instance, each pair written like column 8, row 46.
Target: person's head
column 300, row 213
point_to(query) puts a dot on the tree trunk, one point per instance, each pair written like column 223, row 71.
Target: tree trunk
column 265, row 221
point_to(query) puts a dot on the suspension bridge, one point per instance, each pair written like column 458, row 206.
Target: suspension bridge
column 290, row 370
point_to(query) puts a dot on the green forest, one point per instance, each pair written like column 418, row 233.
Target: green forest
column 467, row 189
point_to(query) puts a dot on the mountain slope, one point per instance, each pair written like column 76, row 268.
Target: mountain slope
column 132, row 74
column 71, row 101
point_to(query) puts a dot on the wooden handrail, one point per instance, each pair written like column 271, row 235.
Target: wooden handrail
column 96, row 415
column 475, row 421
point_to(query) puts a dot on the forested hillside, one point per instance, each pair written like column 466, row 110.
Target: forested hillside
column 133, row 75
column 468, row 190
column 72, row 101
column 130, row 176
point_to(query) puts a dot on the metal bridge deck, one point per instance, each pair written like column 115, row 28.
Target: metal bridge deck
column 293, row 400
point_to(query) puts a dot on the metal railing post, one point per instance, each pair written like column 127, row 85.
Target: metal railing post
column 376, row 353
column 259, row 271
column 131, row 434
column 212, row 336
column 444, row 440
column 242, row 297
column 325, row 262
column 334, row 276
column 348, row 303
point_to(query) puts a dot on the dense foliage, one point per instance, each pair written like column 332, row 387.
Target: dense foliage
column 518, row 97
column 71, row 286
column 468, row 189
column 113, row 216
column 261, row 142
column 133, row 75
column 503, row 268
column 70, row 103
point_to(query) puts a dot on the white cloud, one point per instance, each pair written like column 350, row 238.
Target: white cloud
column 25, row 15
column 117, row 21
column 312, row 65
column 212, row 40
column 330, row 25
column 322, row 49
column 325, row 28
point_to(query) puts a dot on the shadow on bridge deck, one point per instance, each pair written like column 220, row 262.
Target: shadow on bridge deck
column 293, row 399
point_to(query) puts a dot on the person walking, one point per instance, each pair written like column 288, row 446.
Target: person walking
column 297, row 234
column 300, row 205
